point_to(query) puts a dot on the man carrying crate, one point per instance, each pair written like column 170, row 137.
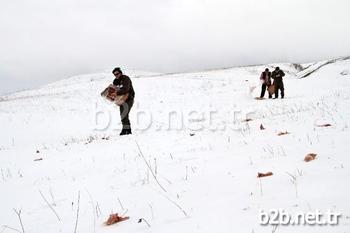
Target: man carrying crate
column 126, row 94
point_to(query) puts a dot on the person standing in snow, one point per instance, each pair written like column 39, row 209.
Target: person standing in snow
column 265, row 79
column 124, row 86
column 277, row 76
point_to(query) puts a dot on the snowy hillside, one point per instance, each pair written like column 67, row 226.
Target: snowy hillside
column 191, row 164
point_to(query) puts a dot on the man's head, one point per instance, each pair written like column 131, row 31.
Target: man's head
column 267, row 70
column 277, row 68
column 117, row 72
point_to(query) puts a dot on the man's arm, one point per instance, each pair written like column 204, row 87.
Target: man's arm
column 126, row 86
column 115, row 82
column 282, row 73
column 262, row 76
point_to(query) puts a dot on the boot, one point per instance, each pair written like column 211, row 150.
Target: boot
column 123, row 132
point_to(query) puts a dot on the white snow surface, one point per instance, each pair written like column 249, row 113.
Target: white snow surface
column 206, row 173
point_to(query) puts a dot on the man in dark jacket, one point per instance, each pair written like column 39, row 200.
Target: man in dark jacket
column 265, row 79
column 277, row 76
column 124, row 86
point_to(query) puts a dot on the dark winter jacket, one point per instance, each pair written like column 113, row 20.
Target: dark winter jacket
column 266, row 77
column 124, row 85
column 277, row 75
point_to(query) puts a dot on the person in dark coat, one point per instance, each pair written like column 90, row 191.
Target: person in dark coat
column 265, row 79
column 277, row 76
column 124, row 86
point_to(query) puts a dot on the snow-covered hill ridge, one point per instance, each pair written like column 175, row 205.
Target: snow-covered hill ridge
column 299, row 70
column 310, row 69
column 52, row 147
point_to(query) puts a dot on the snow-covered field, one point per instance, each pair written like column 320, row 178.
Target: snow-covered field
column 191, row 164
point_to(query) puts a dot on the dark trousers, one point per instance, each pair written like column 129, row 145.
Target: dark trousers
column 124, row 113
column 279, row 86
column 263, row 89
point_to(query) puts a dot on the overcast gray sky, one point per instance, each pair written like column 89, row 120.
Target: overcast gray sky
column 42, row 41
